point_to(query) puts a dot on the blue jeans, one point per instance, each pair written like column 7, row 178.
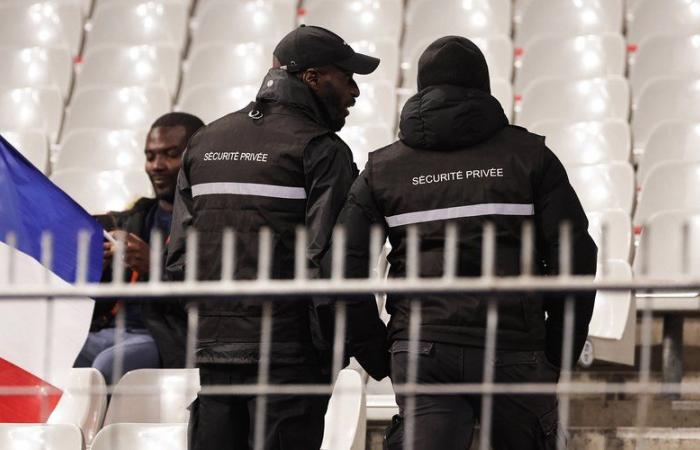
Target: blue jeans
column 99, row 351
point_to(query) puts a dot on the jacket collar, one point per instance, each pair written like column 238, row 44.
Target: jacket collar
column 280, row 87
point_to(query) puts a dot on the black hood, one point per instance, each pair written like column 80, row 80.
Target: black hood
column 448, row 117
column 279, row 86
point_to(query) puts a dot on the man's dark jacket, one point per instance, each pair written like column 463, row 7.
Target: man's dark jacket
column 165, row 320
column 274, row 164
column 459, row 161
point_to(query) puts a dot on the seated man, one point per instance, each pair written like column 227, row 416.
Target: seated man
column 154, row 334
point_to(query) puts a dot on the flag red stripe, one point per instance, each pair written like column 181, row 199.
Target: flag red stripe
column 25, row 408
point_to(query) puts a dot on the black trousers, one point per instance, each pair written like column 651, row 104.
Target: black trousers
column 446, row 422
column 224, row 422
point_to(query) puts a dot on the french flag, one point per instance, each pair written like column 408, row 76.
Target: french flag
column 39, row 338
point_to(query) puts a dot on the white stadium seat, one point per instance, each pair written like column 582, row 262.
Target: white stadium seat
column 102, row 150
column 375, row 105
column 83, row 403
column 670, row 17
column 227, row 64
column 364, row 139
column 116, row 108
column 138, row 22
column 617, row 224
column 37, row 67
column 20, row 436
column 573, row 100
column 153, row 396
column 673, row 140
column 671, row 185
column 612, row 330
column 577, row 143
column 677, row 56
column 212, row 101
column 142, row 436
column 668, row 248
column 32, row 109
column 346, row 421
column 427, row 20
column 503, row 91
column 243, row 21
column 41, row 23
column 33, row 145
column 664, row 99
column 604, row 186
column 592, row 56
column 387, row 52
column 356, row 20
column 567, row 18
column 130, row 66
column 102, row 191
column 498, row 51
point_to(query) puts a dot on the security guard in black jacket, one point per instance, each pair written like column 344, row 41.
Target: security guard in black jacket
column 458, row 161
column 278, row 164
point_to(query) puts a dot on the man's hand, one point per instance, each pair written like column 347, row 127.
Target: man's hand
column 137, row 253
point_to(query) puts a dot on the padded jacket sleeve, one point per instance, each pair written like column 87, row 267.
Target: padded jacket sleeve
column 181, row 220
column 367, row 335
column 556, row 202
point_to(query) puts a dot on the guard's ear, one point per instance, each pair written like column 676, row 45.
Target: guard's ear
column 311, row 78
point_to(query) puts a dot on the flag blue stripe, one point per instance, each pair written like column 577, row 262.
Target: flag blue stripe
column 31, row 204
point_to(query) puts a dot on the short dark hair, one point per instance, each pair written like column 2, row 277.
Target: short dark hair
column 190, row 122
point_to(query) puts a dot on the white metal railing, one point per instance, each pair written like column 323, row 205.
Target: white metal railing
column 450, row 282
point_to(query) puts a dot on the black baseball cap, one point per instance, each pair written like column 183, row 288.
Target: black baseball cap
column 310, row 46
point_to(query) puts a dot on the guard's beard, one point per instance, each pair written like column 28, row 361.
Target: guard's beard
column 330, row 101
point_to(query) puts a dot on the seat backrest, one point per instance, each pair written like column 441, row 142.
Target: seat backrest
column 668, row 244
column 664, row 99
column 357, row 20
column 364, row 139
column 577, row 143
column 212, row 101
column 243, row 21
column 138, row 22
column 37, row 67
column 503, row 91
column 376, row 104
column 674, row 17
column 387, row 51
column 119, row 66
column 16, row 436
column 617, row 224
column 227, row 64
column 38, row 108
column 102, row 150
column 579, row 57
column 47, row 23
column 673, row 140
column 658, row 56
column 573, row 100
column 604, row 186
column 611, row 308
column 425, row 21
column 83, row 403
column 498, row 51
column 671, row 185
column 102, row 191
column 116, row 108
column 33, row 145
column 568, row 18
column 153, row 396
column 138, row 436
column 345, row 420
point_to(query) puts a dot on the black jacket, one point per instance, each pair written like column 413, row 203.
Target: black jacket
column 165, row 320
column 458, row 160
column 274, row 164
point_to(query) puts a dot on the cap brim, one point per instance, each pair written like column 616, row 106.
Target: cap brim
column 359, row 64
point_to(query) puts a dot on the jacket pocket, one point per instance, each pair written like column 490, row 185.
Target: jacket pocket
column 424, row 348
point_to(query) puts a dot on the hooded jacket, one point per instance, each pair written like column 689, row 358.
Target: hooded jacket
column 274, row 164
column 457, row 160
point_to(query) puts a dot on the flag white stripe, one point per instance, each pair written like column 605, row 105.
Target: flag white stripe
column 483, row 209
column 262, row 190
